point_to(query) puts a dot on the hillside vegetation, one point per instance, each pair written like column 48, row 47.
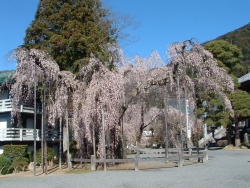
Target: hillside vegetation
column 240, row 38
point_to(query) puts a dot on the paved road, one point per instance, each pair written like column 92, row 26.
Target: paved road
column 225, row 168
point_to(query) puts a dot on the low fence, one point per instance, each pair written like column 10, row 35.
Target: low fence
column 153, row 155
column 147, row 155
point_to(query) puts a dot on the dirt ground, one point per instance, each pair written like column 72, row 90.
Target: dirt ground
column 149, row 165
column 85, row 168
column 231, row 147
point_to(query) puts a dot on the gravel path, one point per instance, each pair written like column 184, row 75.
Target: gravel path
column 225, row 168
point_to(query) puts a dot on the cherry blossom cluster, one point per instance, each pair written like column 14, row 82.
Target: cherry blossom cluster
column 118, row 99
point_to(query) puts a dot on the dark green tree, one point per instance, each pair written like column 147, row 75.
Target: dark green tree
column 70, row 30
column 240, row 38
column 217, row 115
column 241, row 104
column 228, row 57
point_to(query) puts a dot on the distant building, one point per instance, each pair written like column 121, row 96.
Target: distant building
column 245, row 82
column 22, row 132
column 245, row 86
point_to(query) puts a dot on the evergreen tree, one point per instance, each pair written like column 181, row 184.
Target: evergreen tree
column 241, row 104
column 240, row 38
column 215, row 108
column 228, row 57
column 70, row 30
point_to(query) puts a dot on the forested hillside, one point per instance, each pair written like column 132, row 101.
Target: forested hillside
column 241, row 38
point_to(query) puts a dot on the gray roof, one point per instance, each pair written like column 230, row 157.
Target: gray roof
column 244, row 78
column 6, row 75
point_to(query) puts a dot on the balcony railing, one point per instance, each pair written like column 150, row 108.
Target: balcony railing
column 5, row 106
column 22, row 134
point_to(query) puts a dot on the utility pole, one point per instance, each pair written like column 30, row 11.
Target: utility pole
column 166, row 126
column 34, row 120
column 179, row 101
column 42, row 134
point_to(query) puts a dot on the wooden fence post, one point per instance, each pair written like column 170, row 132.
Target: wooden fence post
column 136, row 162
column 93, row 164
column 180, row 162
column 190, row 153
column 205, row 156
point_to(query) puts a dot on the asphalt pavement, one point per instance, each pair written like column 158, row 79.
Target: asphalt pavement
column 224, row 169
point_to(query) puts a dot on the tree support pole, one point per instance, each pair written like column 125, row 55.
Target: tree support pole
column 60, row 144
column 103, row 141
column 67, row 127
column 42, row 134
column 34, row 120
column 179, row 101
column 166, row 127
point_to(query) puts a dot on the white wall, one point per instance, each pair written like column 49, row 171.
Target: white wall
column 3, row 123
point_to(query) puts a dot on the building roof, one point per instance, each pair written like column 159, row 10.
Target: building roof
column 244, row 78
column 6, row 75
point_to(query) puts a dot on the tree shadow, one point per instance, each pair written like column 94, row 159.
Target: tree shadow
column 215, row 148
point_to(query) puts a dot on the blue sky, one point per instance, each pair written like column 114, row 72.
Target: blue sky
column 162, row 22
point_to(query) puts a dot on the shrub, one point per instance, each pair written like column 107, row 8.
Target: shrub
column 64, row 158
column 15, row 151
column 50, row 155
column 222, row 143
column 4, row 162
column 73, row 147
column 30, row 156
column 20, row 162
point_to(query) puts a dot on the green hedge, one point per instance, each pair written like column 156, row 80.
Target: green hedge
column 15, row 151
column 5, row 163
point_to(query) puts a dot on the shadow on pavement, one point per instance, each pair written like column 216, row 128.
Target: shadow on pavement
column 215, row 148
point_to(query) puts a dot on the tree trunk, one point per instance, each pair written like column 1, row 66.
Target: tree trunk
column 237, row 133
column 138, row 144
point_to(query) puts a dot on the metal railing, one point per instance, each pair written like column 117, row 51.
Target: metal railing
column 5, row 106
column 23, row 134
